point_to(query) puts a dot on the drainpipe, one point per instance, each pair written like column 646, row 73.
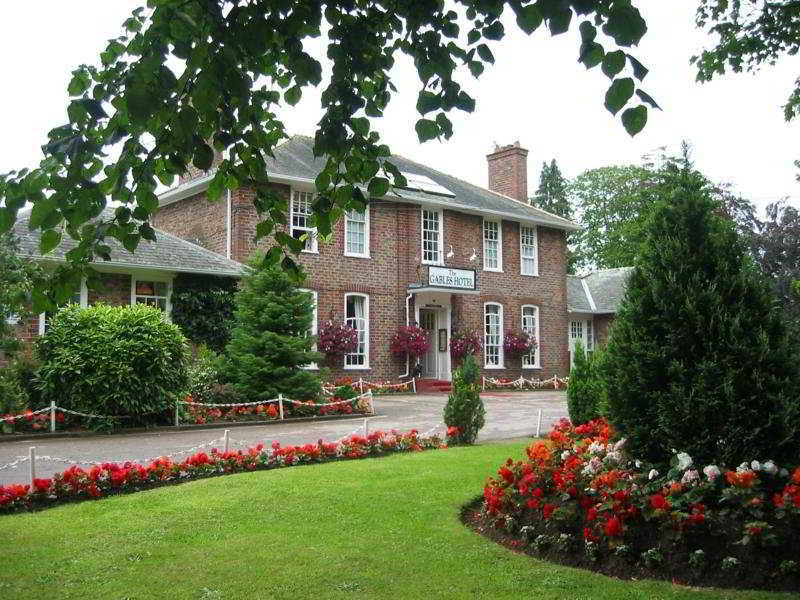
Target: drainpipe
column 408, row 310
column 228, row 226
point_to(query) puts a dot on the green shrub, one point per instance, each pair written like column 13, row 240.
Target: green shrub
column 114, row 360
column 269, row 343
column 202, row 305
column 13, row 399
column 464, row 408
column 699, row 359
column 203, row 374
column 583, row 392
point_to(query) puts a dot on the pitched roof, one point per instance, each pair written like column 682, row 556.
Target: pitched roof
column 294, row 160
column 169, row 253
column 600, row 292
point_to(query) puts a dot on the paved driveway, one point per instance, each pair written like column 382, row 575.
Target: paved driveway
column 508, row 415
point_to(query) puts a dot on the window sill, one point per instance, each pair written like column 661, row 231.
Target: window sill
column 532, row 367
column 357, row 255
column 529, row 274
column 309, row 252
column 433, row 264
column 494, row 367
column 493, row 270
column 356, row 368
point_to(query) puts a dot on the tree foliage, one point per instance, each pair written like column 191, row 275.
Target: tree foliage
column 269, row 343
column 551, row 195
column 584, row 391
column 727, row 395
column 202, row 305
column 17, row 277
column 187, row 78
column 464, row 408
column 749, row 34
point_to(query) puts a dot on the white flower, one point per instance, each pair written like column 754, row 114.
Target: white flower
column 783, row 473
column 652, row 474
column 596, row 448
column 638, row 464
column 620, row 444
column 755, row 465
column 712, row 472
column 593, row 466
column 684, row 461
column 690, row 476
column 770, row 467
column 614, row 456
column 565, row 455
column 743, row 468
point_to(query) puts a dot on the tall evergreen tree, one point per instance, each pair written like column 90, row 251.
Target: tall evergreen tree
column 700, row 360
column 552, row 192
column 269, row 342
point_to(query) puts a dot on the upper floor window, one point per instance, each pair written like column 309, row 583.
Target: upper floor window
column 431, row 236
column 152, row 293
column 356, row 233
column 493, row 335
column 492, row 246
column 530, row 325
column 301, row 212
column 356, row 315
column 529, row 258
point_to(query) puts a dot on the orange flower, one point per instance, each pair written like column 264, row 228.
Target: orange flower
column 675, row 488
column 539, row 452
column 796, row 476
column 745, row 479
column 605, row 480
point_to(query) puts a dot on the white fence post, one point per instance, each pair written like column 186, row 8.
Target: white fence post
column 360, row 385
column 414, row 384
column 539, row 423
column 280, row 405
column 226, row 440
column 366, row 427
column 483, row 383
column 52, row 416
column 177, row 413
column 372, row 401
column 32, row 459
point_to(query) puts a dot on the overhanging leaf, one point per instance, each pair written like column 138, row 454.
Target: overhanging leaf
column 647, row 98
column 618, row 94
column 613, row 63
column 49, row 240
column 634, row 119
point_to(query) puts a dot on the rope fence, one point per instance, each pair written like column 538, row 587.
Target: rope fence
column 53, row 409
column 555, row 381
column 410, row 385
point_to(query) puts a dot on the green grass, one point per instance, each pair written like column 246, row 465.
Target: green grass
column 378, row 528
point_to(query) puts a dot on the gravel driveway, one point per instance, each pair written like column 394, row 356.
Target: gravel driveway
column 508, row 415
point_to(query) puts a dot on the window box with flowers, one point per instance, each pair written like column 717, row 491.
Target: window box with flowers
column 463, row 343
column 518, row 343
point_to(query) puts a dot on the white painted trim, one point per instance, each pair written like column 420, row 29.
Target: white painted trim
column 315, row 295
column 499, row 268
column 228, row 232
column 365, row 366
column 589, row 297
column 537, row 356
column 167, row 280
column 501, row 354
column 535, row 250
column 129, row 268
column 367, row 240
column 440, row 240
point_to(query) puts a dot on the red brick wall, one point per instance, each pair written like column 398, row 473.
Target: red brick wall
column 197, row 220
column 508, row 171
column 395, row 251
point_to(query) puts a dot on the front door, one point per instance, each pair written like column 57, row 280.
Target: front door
column 430, row 363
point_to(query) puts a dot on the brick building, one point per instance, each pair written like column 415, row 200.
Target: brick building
column 441, row 253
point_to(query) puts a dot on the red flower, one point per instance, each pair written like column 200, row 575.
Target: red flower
column 659, row 502
column 588, row 535
column 547, row 510
column 42, row 486
column 533, row 503
column 591, row 514
column 613, row 527
column 506, row 474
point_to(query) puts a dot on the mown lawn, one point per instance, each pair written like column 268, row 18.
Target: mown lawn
column 376, row 528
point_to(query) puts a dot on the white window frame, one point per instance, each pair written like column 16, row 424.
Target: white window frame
column 154, row 279
column 536, row 363
column 535, row 247
column 500, row 353
column 440, row 240
column 84, row 302
column 312, row 245
column 365, row 254
column 313, row 331
column 499, row 224
column 366, row 332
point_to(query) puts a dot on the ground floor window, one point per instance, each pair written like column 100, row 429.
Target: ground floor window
column 493, row 335
column 356, row 311
column 152, row 293
column 530, row 325
column 81, row 298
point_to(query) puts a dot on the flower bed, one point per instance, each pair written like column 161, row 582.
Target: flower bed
column 579, row 500
column 111, row 478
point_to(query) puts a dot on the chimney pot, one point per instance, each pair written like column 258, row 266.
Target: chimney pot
column 508, row 171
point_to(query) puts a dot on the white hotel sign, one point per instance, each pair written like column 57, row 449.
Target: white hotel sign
column 462, row 279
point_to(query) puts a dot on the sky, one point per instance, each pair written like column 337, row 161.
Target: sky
column 536, row 93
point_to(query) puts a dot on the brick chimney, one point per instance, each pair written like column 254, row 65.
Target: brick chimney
column 508, row 171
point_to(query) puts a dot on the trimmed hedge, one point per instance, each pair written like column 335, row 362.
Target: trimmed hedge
column 125, row 361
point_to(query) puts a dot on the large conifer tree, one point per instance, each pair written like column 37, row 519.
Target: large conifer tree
column 699, row 359
column 269, row 343
column 552, row 192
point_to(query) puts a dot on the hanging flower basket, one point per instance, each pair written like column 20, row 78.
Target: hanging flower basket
column 336, row 339
column 462, row 344
column 411, row 340
column 518, row 343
